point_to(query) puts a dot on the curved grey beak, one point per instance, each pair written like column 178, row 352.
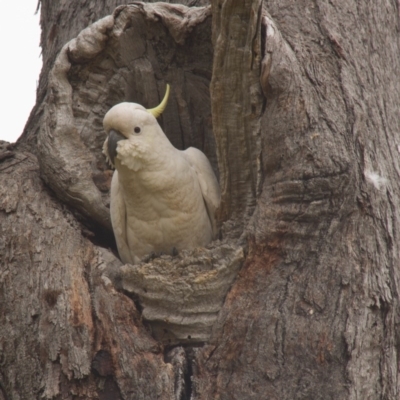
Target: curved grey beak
column 113, row 138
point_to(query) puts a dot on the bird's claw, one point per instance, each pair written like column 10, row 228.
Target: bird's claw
column 153, row 255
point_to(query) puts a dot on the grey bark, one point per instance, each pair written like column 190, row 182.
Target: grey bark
column 305, row 139
column 237, row 104
column 314, row 312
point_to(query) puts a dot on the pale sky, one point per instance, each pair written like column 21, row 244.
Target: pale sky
column 20, row 65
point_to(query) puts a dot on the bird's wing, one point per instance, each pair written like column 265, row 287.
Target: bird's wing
column 208, row 182
column 118, row 219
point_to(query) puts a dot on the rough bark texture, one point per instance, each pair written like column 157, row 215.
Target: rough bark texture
column 304, row 101
column 183, row 295
column 315, row 311
column 237, row 104
column 65, row 331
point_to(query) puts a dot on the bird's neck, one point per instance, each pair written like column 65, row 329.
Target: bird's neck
column 137, row 156
column 145, row 162
column 154, row 176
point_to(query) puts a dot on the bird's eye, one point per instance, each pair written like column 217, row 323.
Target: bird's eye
column 137, row 130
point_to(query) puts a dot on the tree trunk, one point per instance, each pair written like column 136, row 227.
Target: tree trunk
column 299, row 298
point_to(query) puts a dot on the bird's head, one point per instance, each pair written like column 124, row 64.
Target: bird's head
column 132, row 133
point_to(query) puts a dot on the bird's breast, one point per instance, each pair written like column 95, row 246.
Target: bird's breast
column 164, row 208
column 156, row 194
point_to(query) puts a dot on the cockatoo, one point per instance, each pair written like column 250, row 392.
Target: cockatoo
column 162, row 199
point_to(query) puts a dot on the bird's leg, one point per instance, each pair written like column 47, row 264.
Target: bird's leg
column 174, row 252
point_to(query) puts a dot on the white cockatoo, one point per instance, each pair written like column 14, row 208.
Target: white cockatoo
column 162, row 199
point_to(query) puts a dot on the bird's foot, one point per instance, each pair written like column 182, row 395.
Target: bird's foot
column 153, row 255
